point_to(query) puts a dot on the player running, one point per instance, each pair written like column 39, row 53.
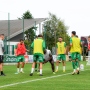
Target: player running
column 75, row 49
column 61, row 53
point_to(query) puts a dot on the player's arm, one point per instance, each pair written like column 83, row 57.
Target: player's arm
column 25, row 48
column 3, row 47
column 70, row 44
column 70, row 41
column 32, row 45
column 43, row 45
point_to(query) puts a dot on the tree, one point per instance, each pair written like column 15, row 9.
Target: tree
column 54, row 28
column 30, row 33
column 27, row 15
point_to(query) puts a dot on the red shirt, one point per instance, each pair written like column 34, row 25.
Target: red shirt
column 21, row 49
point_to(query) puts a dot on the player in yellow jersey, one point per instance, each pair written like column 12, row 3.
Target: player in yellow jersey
column 61, row 53
column 38, row 51
column 75, row 50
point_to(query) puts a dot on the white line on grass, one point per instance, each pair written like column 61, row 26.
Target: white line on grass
column 33, row 80
column 8, row 85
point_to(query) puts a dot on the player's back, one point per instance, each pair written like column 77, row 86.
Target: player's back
column 76, row 44
column 38, row 46
column 47, row 54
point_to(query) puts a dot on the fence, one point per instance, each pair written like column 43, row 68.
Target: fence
column 16, row 27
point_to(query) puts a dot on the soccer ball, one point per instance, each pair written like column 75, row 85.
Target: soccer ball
column 81, row 67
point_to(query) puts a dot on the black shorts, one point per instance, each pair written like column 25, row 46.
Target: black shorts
column 1, row 58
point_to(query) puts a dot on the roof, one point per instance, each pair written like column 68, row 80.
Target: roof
column 16, row 26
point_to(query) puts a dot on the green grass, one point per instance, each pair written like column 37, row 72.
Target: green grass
column 64, row 82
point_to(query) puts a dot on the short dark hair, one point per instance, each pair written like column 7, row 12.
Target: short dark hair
column 74, row 32
column 1, row 34
column 89, row 36
column 21, row 40
column 40, row 35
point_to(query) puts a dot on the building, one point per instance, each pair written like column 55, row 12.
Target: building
column 14, row 30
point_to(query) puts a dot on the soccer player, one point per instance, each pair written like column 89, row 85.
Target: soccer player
column 20, row 51
column 61, row 53
column 75, row 44
column 49, row 58
column 38, row 51
column 1, row 54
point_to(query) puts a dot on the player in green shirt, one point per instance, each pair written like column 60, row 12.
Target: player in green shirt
column 38, row 51
column 75, row 51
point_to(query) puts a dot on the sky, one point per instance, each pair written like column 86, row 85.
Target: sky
column 74, row 13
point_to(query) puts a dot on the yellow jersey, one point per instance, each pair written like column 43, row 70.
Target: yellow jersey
column 76, row 45
column 61, row 47
column 38, row 46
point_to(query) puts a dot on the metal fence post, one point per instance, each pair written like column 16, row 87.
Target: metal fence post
column 23, row 28
column 9, row 33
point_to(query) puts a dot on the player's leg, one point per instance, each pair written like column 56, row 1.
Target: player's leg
column 73, row 56
column 36, row 67
column 79, row 59
column 1, row 69
column 52, row 65
column 32, row 69
column 45, row 61
column 40, row 59
column 57, row 62
column 40, row 68
column 18, row 64
column 23, row 63
column 77, row 62
column 33, row 64
column 64, row 62
column 70, row 58
column 1, row 65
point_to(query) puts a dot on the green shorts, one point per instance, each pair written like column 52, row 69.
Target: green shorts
column 20, row 58
column 79, row 58
column 61, row 57
column 76, row 55
column 38, row 58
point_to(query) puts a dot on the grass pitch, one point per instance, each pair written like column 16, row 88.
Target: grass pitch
column 49, row 81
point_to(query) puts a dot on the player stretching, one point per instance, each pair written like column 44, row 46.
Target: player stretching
column 61, row 53
column 38, row 47
column 75, row 49
column 48, row 57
